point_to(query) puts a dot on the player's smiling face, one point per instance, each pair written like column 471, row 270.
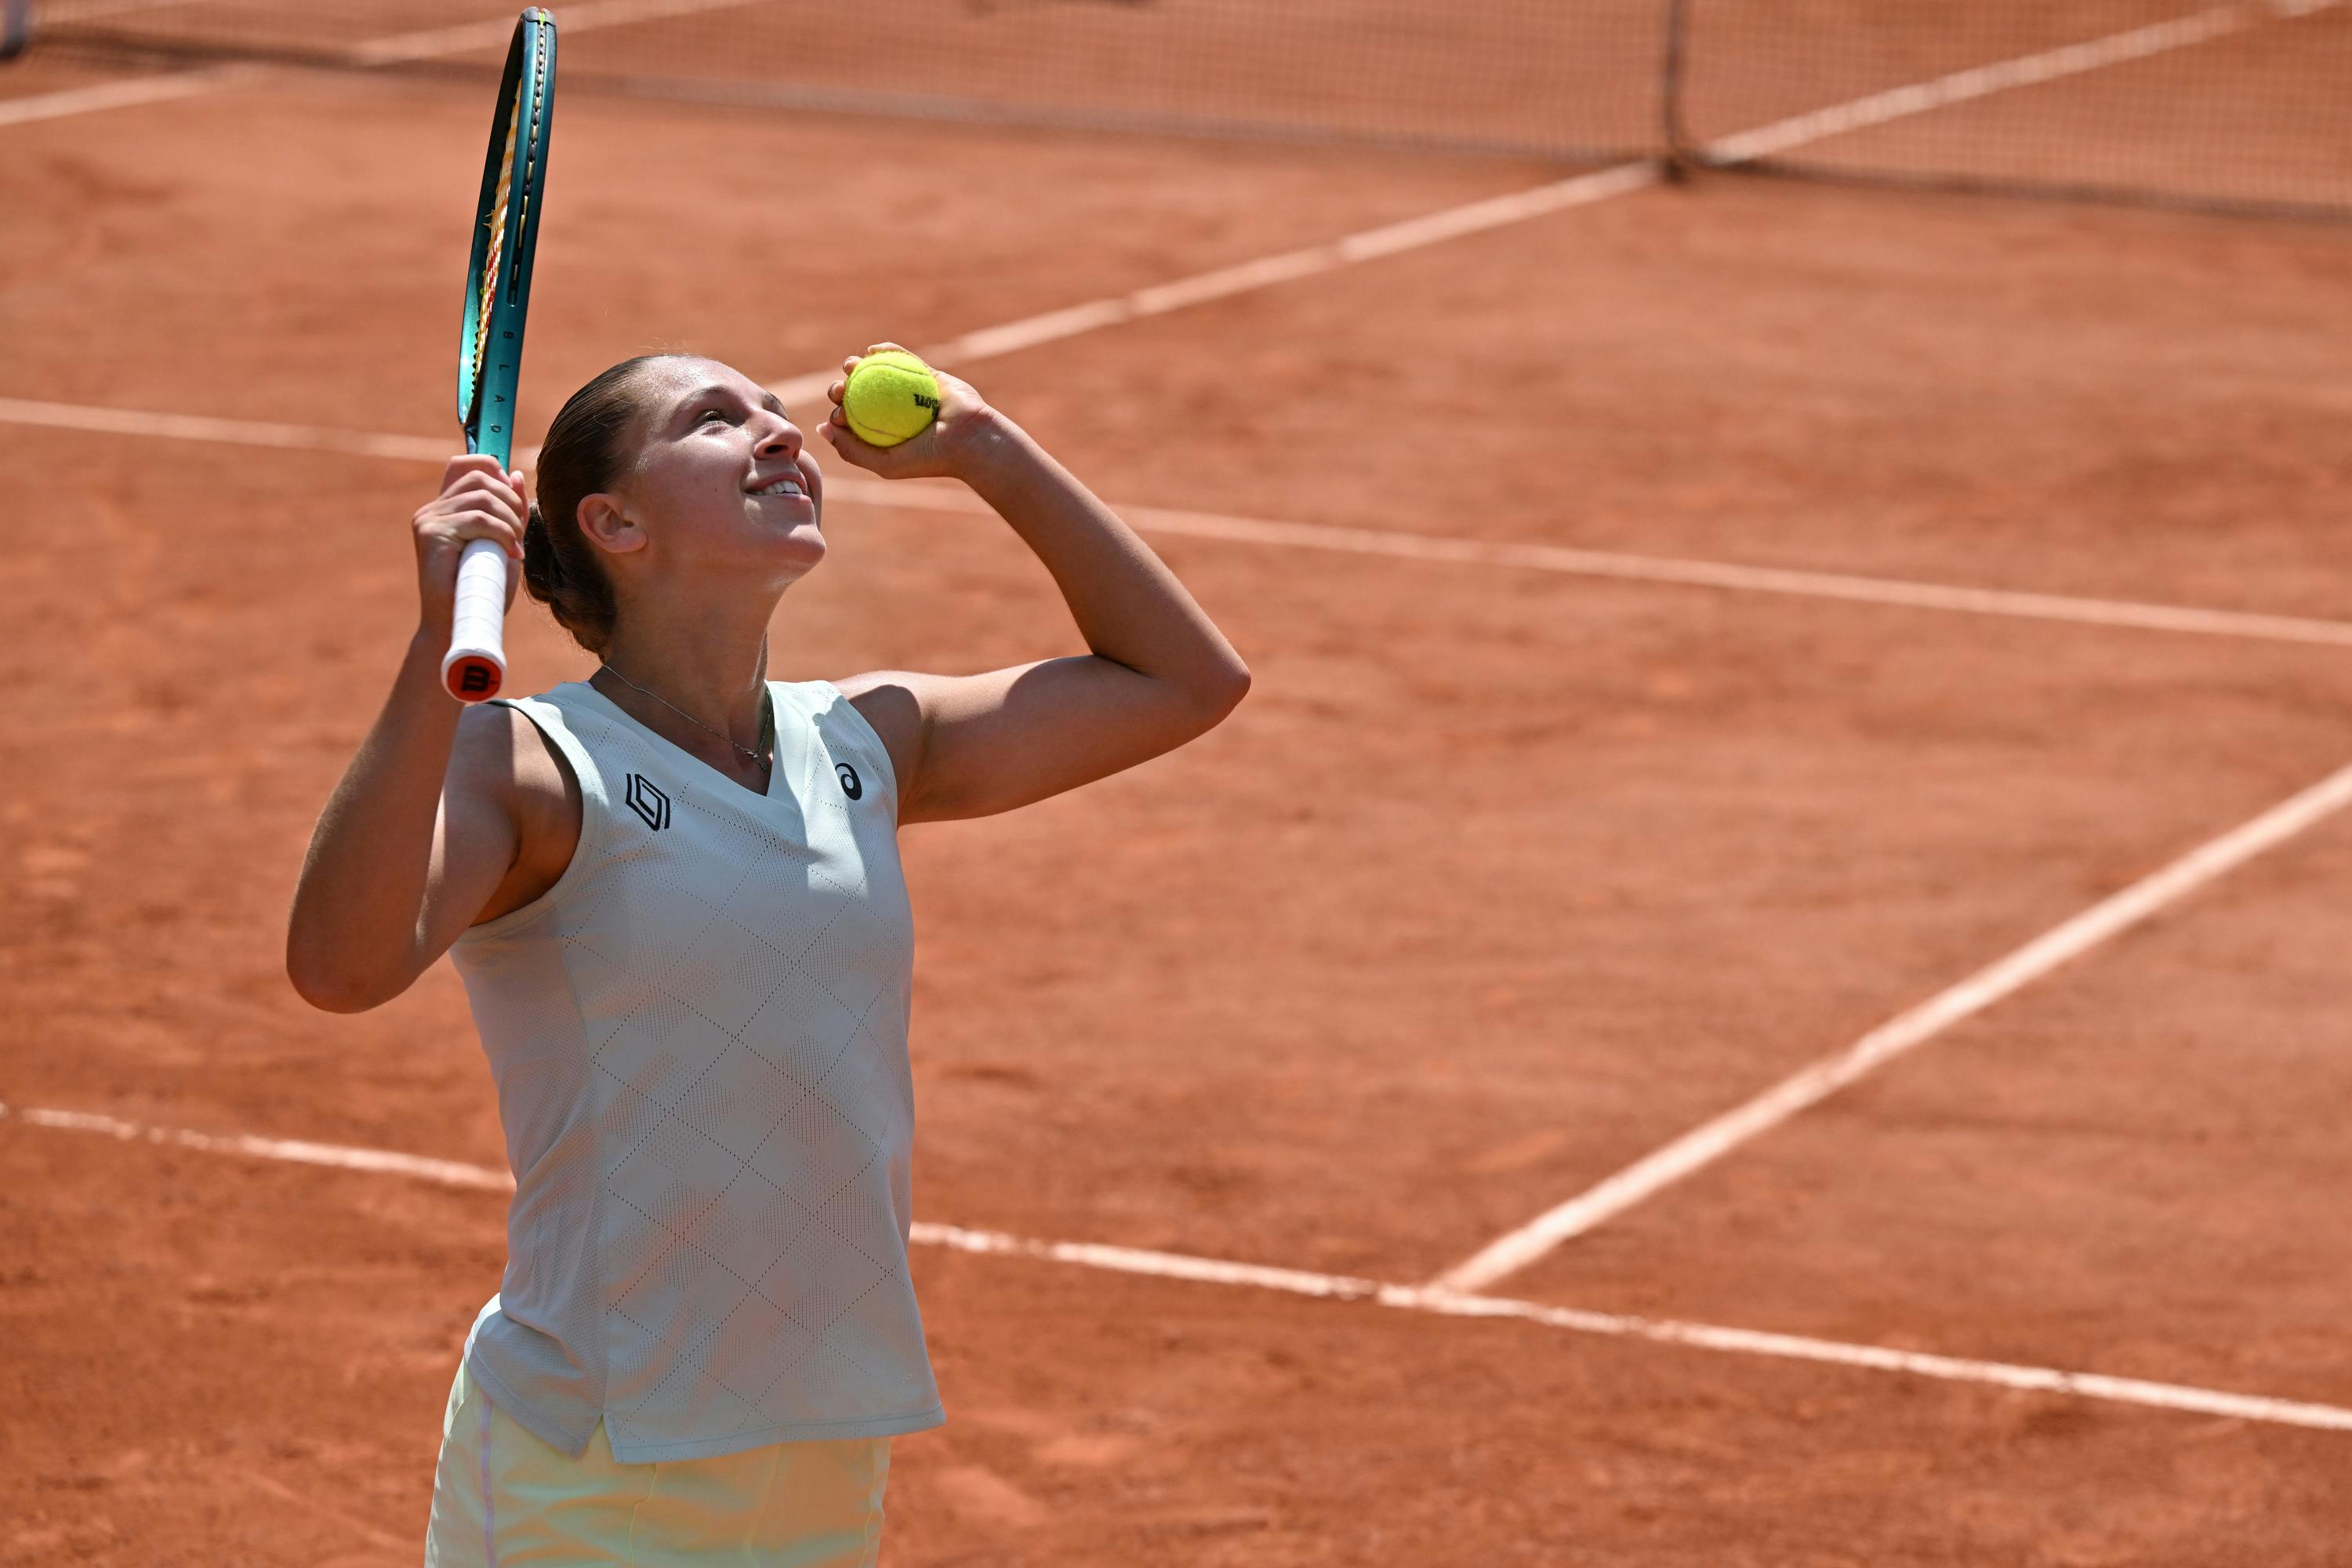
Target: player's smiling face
column 722, row 475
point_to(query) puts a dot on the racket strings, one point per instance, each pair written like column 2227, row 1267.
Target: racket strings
column 498, row 222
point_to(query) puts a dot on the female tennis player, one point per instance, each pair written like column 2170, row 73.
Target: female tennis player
column 673, row 891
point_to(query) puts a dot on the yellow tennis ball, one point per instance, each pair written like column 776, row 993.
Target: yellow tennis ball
column 891, row 397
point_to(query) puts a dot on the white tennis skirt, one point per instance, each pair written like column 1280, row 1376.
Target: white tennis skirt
column 500, row 1495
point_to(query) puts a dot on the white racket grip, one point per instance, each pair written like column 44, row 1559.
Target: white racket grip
column 476, row 665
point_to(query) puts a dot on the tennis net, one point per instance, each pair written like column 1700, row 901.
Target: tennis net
column 2242, row 104
column 2245, row 104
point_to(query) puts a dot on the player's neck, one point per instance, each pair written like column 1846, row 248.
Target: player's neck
column 719, row 680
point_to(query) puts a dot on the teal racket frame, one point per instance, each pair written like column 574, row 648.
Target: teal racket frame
column 486, row 401
column 497, row 303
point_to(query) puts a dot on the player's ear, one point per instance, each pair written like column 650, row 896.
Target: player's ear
column 601, row 520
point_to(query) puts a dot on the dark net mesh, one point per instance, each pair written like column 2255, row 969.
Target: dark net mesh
column 2244, row 105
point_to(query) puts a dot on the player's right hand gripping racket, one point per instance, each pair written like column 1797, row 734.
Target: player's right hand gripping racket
column 490, row 360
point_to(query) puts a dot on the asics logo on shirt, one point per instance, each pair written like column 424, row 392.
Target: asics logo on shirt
column 648, row 802
column 849, row 784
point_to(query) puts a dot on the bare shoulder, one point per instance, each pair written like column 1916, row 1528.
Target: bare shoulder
column 500, row 763
column 892, row 701
column 499, row 756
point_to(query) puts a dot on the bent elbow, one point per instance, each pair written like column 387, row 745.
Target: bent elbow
column 1227, row 694
column 329, row 996
column 332, row 990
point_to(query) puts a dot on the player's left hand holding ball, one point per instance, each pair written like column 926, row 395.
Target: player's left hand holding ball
column 895, row 395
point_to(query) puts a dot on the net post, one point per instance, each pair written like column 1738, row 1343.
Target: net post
column 1678, row 155
column 16, row 28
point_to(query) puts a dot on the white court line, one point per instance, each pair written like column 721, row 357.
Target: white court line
column 1906, row 1031
column 56, row 11
column 439, row 42
column 1327, row 1287
column 142, row 425
column 1288, row 267
column 1664, row 571
column 127, row 94
column 383, row 1162
column 1474, row 217
column 2001, row 76
column 400, row 48
column 1662, row 1330
column 1667, row 571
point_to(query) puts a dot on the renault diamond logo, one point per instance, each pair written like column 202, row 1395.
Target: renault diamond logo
column 648, row 802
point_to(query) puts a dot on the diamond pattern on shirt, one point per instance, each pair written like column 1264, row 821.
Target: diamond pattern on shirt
column 741, row 990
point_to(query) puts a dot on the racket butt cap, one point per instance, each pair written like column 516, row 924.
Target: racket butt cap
column 471, row 677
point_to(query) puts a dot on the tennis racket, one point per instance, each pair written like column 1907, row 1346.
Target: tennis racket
column 490, row 359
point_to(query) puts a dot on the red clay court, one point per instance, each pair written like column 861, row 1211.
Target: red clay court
column 1759, row 980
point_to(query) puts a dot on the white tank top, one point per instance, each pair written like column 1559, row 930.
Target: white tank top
column 699, row 1040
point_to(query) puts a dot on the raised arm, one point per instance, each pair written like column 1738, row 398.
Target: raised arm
column 423, row 828
column 1159, row 672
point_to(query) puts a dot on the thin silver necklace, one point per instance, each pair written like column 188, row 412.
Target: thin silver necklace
column 767, row 720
